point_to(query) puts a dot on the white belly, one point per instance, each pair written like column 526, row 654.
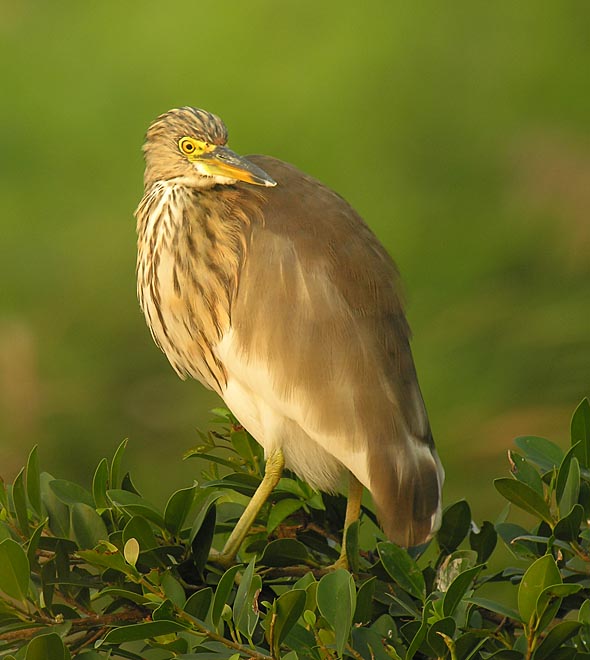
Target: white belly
column 277, row 423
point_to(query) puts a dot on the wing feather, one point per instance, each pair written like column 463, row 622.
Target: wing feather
column 318, row 324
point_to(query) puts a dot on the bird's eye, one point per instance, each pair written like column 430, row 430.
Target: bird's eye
column 187, row 146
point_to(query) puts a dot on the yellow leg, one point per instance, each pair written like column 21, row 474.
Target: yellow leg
column 272, row 474
column 353, row 511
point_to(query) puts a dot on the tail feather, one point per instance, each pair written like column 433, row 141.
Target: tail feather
column 406, row 488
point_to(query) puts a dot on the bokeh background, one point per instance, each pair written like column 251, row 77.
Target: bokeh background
column 460, row 131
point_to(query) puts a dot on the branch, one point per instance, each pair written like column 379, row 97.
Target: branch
column 245, row 650
column 86, row 623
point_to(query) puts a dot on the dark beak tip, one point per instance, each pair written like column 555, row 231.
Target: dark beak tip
column 228, row 163
column 261, row 177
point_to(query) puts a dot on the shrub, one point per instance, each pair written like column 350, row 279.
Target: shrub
column 106, row 574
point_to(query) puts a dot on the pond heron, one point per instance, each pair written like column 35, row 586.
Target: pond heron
column 268, row 288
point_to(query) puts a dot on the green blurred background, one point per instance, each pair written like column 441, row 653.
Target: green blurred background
column 460, row 131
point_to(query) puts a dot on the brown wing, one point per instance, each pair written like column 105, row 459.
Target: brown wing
column 319, row 304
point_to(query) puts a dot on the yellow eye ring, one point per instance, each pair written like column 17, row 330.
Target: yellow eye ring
column 187, row 146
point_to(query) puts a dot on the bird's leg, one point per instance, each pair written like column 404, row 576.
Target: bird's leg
column 272, row 474
column 353, row 511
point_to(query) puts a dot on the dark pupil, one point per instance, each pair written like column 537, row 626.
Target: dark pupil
column 188, row 147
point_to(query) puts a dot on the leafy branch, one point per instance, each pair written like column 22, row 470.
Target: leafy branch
column 104, row 573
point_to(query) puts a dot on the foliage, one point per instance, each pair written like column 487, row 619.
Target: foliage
column 103, row 573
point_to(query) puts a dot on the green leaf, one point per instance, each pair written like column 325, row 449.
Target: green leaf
column 337, row 602
column 309, row 617
column 135, row 505
column 199, row 603
column 128, row 485
column 115, row 475
column 141, row 631
column 507, row 654
column 510, row 531
column 244, row 610
column 116, row 592
column 458, row 588
column 140, row 529
column 20, row 502
column 554, row 591
column 524, row 497
column 73, row 578
column 535, row 539
column 304, row 581
column 293, row 487
column 4, row 532
column 3, row 495
column 246, row 447
column 100, row 483
column 243, row 483
column 446, row 626
column 484, row 541
column 563, row 472
column 284, row 552
column 556, row 638
column 173, row 589
column 213, row 458
column 224, row 588
column 385, row 627
column 45, row 647
column 525, row 472
column 584, row 613
column 57, row 511
column 351, row 539
column 363, row 612
column 580, row 433
column 71, row 493
column 178, row 507
column 584, row 497
column 455, row 525
column 34, row 542
column 106, row 557
column 210, row 499
column 568, row 527
column 14, row 570
column 311, row 598
column 419, row 630
column 34, row 482
column 494, row 606
column 202, row 541
column 165, row 612
column 288, row 607
column 131, row 551
column 281, row 510
column 539, row 575
column 222, row 413
column 402, row 568
column 571, row 489
column 452, row 565
column 316, row 501
column 546, row 611
column 87, row 526
column 543, row 452
column 372, row 645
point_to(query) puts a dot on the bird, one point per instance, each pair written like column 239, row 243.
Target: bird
column 267, row 287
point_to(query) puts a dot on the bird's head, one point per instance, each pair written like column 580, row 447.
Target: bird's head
column 189, row 145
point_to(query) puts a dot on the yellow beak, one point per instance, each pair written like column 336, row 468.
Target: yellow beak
column 222, row 161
